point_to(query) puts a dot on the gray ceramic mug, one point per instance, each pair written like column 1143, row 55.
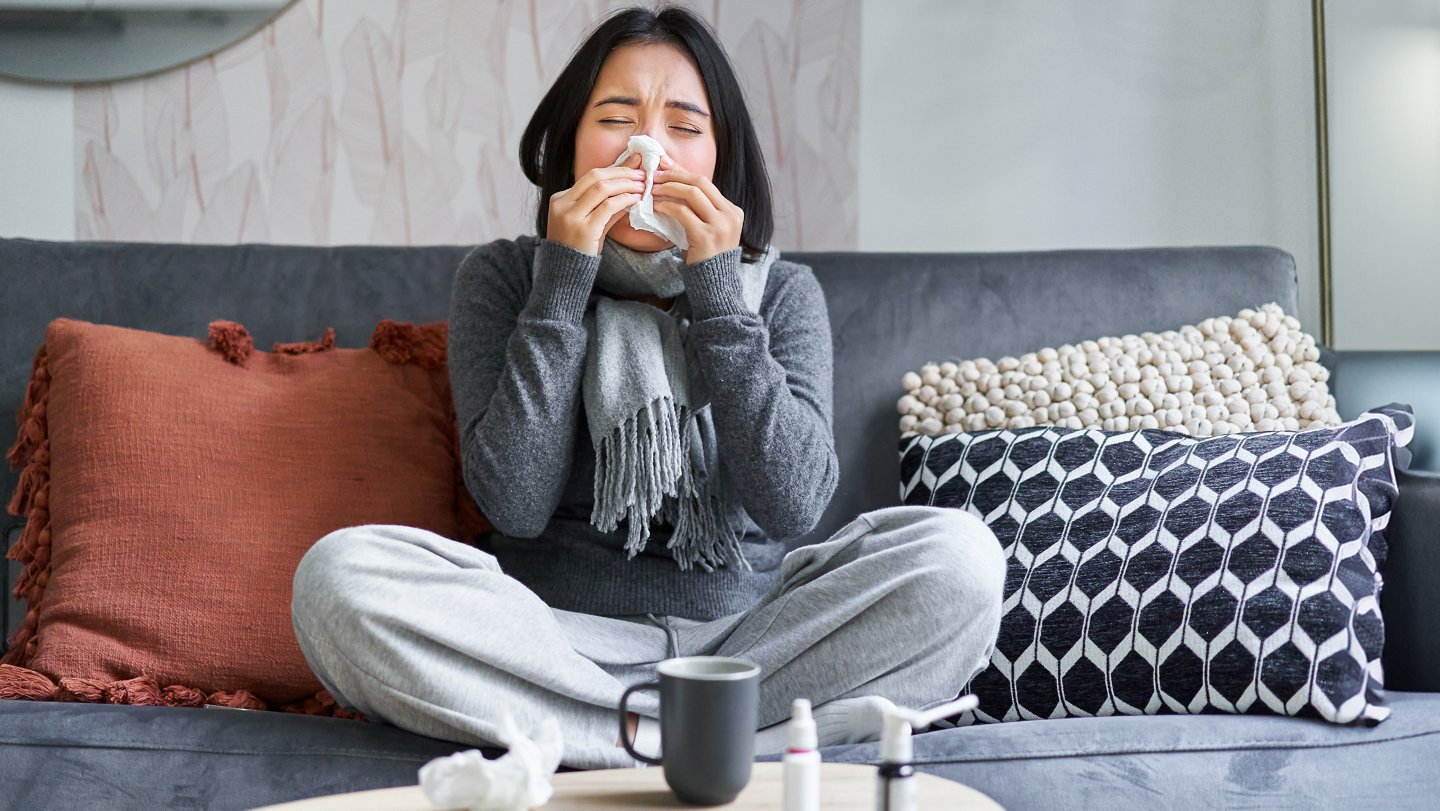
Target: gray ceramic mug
column 708, row 709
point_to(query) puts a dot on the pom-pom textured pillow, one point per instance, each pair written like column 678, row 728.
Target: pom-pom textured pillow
column 1255, row 371
column 173, row 486
column 1155, row 572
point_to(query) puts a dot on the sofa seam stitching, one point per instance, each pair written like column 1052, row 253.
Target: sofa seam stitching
column 1197, row 748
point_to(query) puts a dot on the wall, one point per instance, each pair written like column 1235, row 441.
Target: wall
column 976, row 126
column 1384, row 62
column 1036, row 124
column 377, row 121
column 37, row 125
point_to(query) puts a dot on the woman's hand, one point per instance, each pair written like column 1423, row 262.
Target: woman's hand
column 581, row 215
column 712, row 223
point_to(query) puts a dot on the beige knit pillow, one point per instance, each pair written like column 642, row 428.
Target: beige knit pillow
column 1253, row 372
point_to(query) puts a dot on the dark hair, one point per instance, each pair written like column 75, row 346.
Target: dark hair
column 547, row 149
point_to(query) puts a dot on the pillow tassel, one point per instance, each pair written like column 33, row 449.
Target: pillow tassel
column 232, row 341
column 31, row 499
column 23, row 684
column 140, row 692
column 31, row 419
column 403, row 342
column 34, row 479
column 325, row 344
column 33, row 551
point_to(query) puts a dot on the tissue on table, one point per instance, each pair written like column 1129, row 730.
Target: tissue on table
column 518, row 780
column 642, row 214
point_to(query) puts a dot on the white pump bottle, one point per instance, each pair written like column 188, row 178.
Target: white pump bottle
column 895, row 788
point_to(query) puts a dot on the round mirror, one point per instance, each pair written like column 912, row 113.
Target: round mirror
column 105, row 40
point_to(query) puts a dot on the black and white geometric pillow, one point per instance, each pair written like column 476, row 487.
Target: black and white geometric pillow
column 1153, row 572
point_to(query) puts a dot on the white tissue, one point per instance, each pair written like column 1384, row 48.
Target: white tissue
column 518, row 780
column 642, row 214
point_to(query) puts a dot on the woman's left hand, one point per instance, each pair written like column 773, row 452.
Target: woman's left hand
column 712, row 224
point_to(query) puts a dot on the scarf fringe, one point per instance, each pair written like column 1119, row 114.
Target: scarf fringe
column 642, row 470
column 702, row 536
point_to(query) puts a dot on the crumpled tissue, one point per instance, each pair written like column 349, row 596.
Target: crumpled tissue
column 518, row 780
column 642, row 214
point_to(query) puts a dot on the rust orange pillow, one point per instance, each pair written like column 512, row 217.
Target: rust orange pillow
column 172, row 486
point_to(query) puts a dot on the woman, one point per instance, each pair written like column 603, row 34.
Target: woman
column 645, row 425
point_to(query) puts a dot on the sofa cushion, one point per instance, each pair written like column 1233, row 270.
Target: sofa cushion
column 172, row 488
column 64, row 756
column 1200, row 761
column 1154, row 572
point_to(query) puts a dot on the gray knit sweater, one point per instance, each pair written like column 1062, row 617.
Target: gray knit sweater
column 517, row 353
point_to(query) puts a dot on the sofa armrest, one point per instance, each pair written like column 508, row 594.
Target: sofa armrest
column 1412, row 586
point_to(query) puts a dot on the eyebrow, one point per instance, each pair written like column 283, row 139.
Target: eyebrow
column 631, row 101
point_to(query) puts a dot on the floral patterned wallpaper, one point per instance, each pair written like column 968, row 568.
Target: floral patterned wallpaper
column 398, row 122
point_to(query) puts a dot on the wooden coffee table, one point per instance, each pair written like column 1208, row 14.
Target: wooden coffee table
column 843, row 787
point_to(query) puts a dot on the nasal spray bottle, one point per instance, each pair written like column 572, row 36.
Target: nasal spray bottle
column 802, row 761
column 895, row 788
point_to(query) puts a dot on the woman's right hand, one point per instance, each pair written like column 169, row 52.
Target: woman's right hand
column 581, row 215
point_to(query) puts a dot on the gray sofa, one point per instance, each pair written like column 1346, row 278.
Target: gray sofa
column 889, row 313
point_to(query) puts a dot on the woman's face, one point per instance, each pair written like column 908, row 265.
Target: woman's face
column 652, row 90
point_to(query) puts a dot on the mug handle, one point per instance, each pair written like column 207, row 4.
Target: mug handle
column 624, row 732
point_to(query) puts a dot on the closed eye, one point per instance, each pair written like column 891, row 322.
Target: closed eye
column 619, row 121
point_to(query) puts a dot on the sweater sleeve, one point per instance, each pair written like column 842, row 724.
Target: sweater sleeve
column 770, row 390
column 516, row 355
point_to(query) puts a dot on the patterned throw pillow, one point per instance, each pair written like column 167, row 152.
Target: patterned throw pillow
column 1154, row 572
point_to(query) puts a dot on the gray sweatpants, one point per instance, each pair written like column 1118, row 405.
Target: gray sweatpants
column 430, row 635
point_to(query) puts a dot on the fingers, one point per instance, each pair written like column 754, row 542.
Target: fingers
column 584, row 213
column 682, row 213
column 613, row 209
column 598, row 195
column 711, row 222
column 606, row 210
column 597, row 176
column 693, row 198
column 608, row 188
column 581, row 215
column 671, row 172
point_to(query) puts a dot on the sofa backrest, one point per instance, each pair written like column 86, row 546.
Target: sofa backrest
column 892, row 312
column 889, row 312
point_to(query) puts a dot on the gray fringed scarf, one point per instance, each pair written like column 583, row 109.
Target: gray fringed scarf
column 648, row 413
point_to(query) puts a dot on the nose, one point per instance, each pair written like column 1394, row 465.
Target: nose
column 658, row 132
